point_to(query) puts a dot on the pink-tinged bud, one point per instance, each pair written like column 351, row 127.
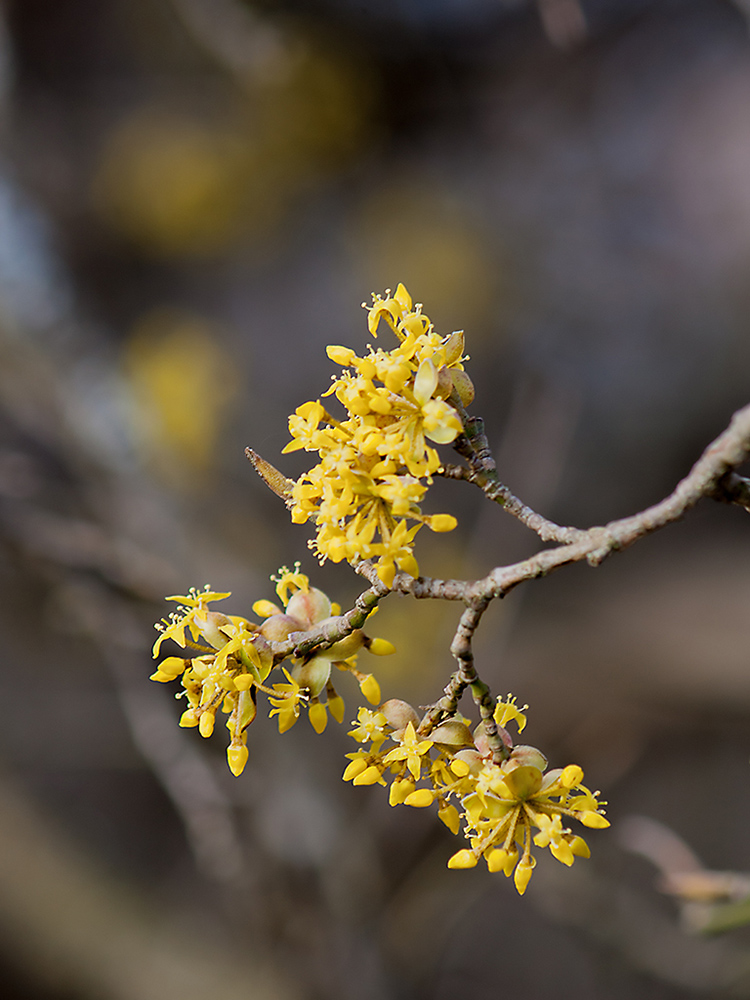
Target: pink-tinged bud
column 313, row 674
column 310, row 608
column 482, row 743
column 399, row 713
column 472, row 760
column 278, row 628
column 528, row 756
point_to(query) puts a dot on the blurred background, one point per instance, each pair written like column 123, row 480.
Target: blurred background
column 195, row 198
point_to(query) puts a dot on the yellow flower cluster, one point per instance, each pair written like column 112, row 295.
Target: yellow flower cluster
column 375, row 465
column 233, row 658
column 500, row 804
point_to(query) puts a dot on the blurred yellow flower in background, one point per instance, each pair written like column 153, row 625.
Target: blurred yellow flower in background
column 181, row 382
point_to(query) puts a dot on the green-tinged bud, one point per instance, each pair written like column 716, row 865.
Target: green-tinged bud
column 318, row 716
column 278, row 627
column 463, row 859
column 444, row 384
column 379, row 647
column 310, row 608
column 420, row 799
column 523, row 781
column 237, row 758
column 526, row 756
column 345, row 647
column 452, row 734
column 399, row 714
column 454, row 347
column 313, row 674
column 463, row 385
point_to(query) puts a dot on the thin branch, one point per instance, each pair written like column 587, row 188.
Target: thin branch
column 466, row 677
column 474, row 447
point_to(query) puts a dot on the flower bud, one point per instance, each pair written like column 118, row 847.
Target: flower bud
column 452, row 734
column 399, row 713
column 278, row 627
column 463, row 385
column 189, row 719
column 310, row 608
column 527, row 756
column 313, row 674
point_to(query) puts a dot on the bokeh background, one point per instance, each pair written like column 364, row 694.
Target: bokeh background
column 195, row 198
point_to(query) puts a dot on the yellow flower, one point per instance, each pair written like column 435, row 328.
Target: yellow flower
column 410, row 750
column 287, row 705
